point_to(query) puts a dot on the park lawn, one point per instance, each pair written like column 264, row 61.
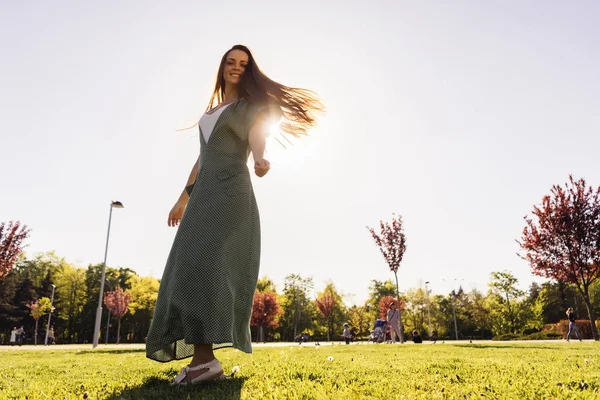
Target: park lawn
column 359, row 371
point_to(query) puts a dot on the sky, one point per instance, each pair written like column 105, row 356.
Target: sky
column 458, row 116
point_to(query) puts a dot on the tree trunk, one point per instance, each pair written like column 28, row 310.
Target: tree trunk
column 261, row 334
column 591, row 313
column 119, row 331
column 399, row 310
column 510, row 315
column 36, row 329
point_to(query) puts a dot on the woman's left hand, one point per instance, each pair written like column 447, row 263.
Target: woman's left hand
column 261, row 167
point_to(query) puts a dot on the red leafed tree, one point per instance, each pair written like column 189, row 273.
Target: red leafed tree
column 326, row 303
column 562, row 240
column 265, row 312
column 117, row 303
column 392, row 244
column 384, row 306
column 12, row 237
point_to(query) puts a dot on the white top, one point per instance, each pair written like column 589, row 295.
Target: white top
column 208, row 121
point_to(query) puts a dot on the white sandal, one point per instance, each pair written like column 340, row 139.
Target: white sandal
column 214, row 372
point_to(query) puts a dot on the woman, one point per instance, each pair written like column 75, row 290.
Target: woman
column 393, row 319
column 572, row 325
column 13, row 336
column 205, row 297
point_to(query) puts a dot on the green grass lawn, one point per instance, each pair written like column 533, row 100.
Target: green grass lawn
column 440, row 371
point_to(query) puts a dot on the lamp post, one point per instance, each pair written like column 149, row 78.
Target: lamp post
column 427, row 292
column 454, row 312
column 108, row 317
column 113, row 204
column 49, row 314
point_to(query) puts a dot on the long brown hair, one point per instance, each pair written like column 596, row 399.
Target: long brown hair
column 299, row 106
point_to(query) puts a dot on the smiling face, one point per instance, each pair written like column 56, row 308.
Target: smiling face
column 235, row 66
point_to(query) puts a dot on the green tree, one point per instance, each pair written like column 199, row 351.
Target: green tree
column 8, row 287
column 24, row 295
column 298, row 310
column 504, row 286
column 416, row 309
column 70, row 301
column 359, row 320
column 144, row 292
column 377, row 291
column 478, row 315
column 265, row 284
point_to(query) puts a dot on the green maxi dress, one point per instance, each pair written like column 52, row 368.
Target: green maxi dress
column 208, row 284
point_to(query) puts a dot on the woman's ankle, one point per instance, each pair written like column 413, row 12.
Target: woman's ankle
column 201, row 360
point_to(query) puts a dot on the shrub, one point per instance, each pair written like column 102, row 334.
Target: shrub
column 550, row 335
column 584, row 326
column 530, row 331
column 507, row 336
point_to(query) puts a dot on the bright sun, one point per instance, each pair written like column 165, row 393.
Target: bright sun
column 274, row 129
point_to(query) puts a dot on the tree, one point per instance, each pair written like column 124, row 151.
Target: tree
column 504, row 285
column 144, row 292
column 416, row 309
column 24, row 295
column 378, row 290
column 296, row 305
column 359, row 320
column 392, row 244
column 265, row 284
column 562, row 240
column 117, row 302
column 265, row 312
column 7, row 294
column 12, row 237
column 384, row 306
column 70, row 300
column 478, row 315
column 38, row 309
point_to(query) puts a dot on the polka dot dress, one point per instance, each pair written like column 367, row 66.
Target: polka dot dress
column 208, row 284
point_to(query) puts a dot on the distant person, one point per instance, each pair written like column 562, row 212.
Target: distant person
column 205, row 297
column 20, row 335
column 13, row 336
column 50, row 336
column 572, row 325
column 393, row 319
column 347, row 334
column 416, row 337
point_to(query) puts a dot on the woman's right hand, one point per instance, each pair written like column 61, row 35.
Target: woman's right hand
column 176, row 213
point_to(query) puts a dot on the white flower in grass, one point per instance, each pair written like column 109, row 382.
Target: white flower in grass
column 330, row 358
column 235, row 370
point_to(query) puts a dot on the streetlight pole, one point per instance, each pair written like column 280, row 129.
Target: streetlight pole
column 427, row 292
column 108, row 317
column 49, row 315
column 113, row 204
column 454, row 312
